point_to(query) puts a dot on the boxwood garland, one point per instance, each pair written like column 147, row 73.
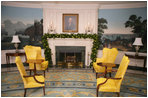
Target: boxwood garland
column 95, row 37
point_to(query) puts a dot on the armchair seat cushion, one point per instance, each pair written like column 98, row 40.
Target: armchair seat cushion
column 31, row 83
column 109, row 86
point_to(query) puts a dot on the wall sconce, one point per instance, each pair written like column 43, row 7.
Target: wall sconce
column 51, row 28
column 137, row 43
column 88, row 28
column 15, row 41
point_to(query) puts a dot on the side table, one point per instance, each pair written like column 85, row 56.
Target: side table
column 14, row 54
column 106, row 65
column 138, row 57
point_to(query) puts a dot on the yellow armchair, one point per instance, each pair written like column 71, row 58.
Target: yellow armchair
column 29, row 81
column 113, row 84
column 34, row 52
column 109, row 56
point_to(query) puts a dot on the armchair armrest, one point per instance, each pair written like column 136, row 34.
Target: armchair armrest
column 43, row 59
column 37, row 80
column 106, row 64
column 100, row 64
column 34, row 78
column 106, row 81
column 99, row 60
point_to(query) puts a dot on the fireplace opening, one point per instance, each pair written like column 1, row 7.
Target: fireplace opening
column 70, row 56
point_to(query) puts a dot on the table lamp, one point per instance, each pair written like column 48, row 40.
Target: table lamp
column 15, row 40
column 137, row 43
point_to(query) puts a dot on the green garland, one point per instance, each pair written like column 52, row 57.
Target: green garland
column 95, row 37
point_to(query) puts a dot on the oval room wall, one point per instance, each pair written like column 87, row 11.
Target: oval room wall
column 88, row 13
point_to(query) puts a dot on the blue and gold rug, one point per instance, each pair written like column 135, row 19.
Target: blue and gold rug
column 71, row 83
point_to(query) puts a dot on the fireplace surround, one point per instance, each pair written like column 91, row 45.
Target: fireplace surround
column 87, row 43
column 90, row 41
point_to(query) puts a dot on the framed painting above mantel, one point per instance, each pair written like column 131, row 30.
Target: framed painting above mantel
column 70, row 23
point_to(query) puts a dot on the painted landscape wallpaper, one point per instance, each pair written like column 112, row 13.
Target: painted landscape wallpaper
column 116, row 34
column 27, row 23
column 123, row 42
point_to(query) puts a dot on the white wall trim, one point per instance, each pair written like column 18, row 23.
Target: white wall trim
column 71, row 42
column 73, row 6
column 18, row 4
column 55, row 15
column 51, row 5
column 120, row 6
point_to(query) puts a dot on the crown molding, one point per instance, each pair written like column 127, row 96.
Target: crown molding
column 73, row 6
column 51, row 5
column 18, row 4
column 120, row 6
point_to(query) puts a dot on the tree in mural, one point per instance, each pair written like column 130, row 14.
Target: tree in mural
column 35, row 31
column 102, row 24
column 139, row 27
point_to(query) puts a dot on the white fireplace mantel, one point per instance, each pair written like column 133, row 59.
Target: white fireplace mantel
column 71, row 42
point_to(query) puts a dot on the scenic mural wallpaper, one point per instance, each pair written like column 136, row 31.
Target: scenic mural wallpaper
column 117, row 34
column 121, row 41
column 27, row 23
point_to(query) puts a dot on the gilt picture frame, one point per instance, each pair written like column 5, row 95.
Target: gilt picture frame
column 70, row 23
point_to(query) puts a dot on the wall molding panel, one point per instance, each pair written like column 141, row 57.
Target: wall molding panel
column 85, row 16
column 120, row 6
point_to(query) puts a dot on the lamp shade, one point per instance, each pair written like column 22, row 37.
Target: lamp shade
column 138, row 42
column 15, row 39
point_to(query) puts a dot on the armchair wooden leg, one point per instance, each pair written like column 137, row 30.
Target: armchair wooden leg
column 118, row 94
column 93, row 70
column 44, row 90
column 44, row 73
column 105, row 75
column 30, row 72
column 110, row 74
column 47, row 69
column 96, row 92
column 25, row 92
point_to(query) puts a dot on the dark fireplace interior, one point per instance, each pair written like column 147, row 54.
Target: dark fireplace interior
column 70, row 56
